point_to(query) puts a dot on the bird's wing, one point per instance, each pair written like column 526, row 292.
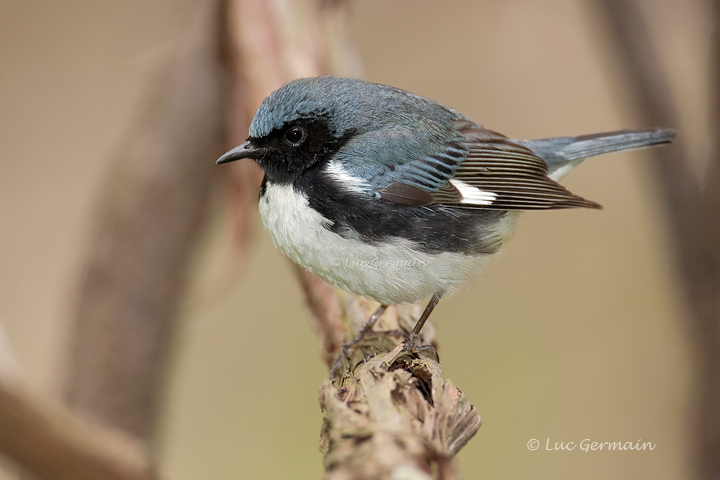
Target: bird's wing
column 481, row 169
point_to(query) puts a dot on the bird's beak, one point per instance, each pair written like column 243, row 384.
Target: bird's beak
column 238, row 153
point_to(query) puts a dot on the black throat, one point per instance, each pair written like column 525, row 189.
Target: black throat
column 283, row 162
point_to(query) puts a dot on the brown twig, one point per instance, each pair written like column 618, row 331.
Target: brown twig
column 148, row 225
column 389, row 412
column 9, row 365
column 54, row 444
column 394, row 415
column 323, row 303
column 50, row 442
column 691, row 207
column 268, row 43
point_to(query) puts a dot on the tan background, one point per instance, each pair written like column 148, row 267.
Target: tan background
column 574, row 333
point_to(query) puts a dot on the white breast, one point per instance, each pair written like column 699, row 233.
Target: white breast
column 389, row 273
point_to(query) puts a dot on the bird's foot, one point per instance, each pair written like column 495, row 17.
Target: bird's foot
column 367, row 333
column 362, row 341
column 413, row 345
column 368, row 342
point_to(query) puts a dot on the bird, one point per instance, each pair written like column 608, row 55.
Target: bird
column 399, row 198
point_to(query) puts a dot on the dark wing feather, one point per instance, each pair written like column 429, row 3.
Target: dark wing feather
column 404, row 194
column 512, row 173
column 466, row 167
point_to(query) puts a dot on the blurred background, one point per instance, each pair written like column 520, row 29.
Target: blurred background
column 575, row 333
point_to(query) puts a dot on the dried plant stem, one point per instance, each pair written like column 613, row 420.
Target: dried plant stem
column 53, row 444
column 692, row 207
column 148, row 223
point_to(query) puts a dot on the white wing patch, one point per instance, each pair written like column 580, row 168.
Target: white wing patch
column 348, row 180
column 473, row 195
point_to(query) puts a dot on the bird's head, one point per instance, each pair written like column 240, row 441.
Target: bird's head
column 300, row 125
column 306, row 121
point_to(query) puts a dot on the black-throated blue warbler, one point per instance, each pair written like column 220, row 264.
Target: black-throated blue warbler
column 396, row 197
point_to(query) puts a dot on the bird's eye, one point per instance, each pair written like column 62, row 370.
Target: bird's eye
column 295, row 136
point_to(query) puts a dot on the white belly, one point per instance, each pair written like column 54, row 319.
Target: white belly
column 389, row 273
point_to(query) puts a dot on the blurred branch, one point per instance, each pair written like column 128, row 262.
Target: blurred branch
column 9, row 376
column 9, row 365
column 49, row 442
column 323, row 304
column 268, row 43
column 148, row 223
column 693, row 210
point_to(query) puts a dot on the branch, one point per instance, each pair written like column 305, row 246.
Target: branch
column 53, row 444
column 323, row 303
column 691, row 209
column 389, row 412
column 148, row 225
column 266, row 44
column 9, row 365
column 693, row 228
column 50, row 442
column 394, row 416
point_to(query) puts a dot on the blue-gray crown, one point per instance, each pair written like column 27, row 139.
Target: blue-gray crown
column 349, row 104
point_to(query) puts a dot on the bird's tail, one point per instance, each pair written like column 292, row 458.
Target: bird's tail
column 565, row 153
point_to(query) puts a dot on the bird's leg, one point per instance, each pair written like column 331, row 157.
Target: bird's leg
column 412, row 340
column 367, row 328
column 365, row 332
column 428, row 310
